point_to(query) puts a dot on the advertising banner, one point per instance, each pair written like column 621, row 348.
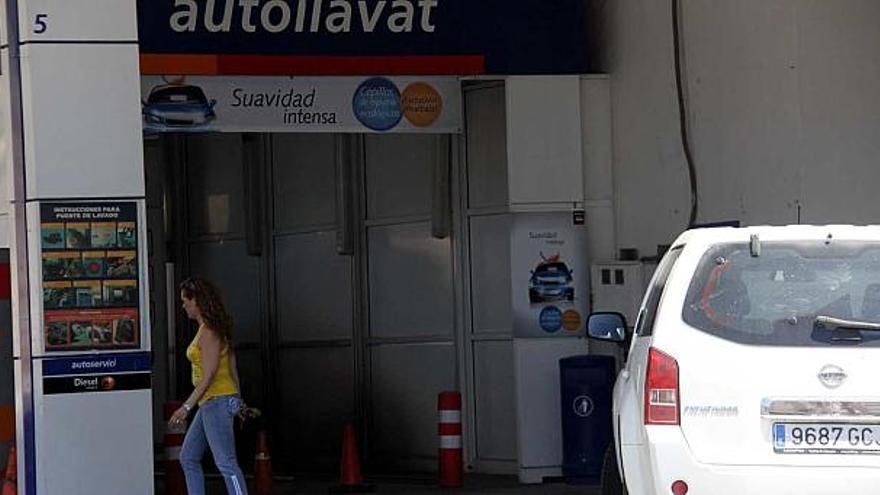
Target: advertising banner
column 294, row 104
column 549, row 271
column 362, row 37
column 90, row 276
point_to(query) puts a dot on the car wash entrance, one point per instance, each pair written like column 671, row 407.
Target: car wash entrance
column 365, row 252
column 334, row 254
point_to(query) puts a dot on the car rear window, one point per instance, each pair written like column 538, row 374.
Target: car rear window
column 775, row 298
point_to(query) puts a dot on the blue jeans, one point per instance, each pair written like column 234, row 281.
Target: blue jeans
column 212, row 427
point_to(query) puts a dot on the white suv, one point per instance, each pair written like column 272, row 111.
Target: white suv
column 754, row 366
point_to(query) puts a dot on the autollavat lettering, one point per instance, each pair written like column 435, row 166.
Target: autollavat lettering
column 300, row 16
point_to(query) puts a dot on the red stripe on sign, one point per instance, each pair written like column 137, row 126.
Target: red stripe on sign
column 450, row 429
column 190, row 65
column 284, row 65
column 5, row 281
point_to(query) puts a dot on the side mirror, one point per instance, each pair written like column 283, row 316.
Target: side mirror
column 212, row 104
column 609, row 327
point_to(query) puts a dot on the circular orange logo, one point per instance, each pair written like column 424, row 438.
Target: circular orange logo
column 108, row 383
column 571, row 320
column 422, row 104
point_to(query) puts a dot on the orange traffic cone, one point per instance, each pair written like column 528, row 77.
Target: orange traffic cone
column 262, row 466
column 351, row 480
column 11, row 479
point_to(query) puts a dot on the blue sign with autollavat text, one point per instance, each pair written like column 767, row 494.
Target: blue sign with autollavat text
column 511, row 36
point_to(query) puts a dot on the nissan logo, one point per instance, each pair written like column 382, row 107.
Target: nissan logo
column 832, row 376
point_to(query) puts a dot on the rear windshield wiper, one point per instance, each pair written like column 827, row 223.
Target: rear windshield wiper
column 832, row 322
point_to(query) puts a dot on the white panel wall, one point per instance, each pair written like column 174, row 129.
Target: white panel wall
column 216, row 199
column 315, row 303
column 317, row 393
column 410, row 282
column 304, row 179
column 486, row 147
column 94, row 123
column 491, row 430
column 313, row 286
column 490, row 274
column 401, row 163
column 496, row 422
column 544, row 140
column 411, row 354
column 406, row 379
column 595, row 99
column 783, row 111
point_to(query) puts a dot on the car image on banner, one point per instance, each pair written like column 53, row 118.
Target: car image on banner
column 551, row 281
column 178, row 107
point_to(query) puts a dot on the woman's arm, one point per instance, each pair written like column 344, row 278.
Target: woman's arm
column 209, row 345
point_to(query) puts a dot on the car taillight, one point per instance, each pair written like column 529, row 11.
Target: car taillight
column 661, row 389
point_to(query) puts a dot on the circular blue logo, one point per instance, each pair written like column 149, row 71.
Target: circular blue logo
column 376, row 104
column 550, row 319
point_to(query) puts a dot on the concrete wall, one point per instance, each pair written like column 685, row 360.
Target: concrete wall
column 784, row 112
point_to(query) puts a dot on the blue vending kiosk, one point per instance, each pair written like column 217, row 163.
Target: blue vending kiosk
column 586, row 391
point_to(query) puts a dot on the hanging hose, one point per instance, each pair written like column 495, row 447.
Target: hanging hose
column 682, row 114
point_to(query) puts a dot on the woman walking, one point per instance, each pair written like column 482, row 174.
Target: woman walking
column 217, row 389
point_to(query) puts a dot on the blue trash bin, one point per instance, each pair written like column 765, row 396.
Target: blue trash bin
column 586, row 388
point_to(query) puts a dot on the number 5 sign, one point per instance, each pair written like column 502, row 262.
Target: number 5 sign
column 63, row 20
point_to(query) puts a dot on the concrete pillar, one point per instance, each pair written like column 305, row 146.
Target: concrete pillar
column 73, row 136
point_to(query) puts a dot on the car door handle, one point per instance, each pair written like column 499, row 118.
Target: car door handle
column 624, row 374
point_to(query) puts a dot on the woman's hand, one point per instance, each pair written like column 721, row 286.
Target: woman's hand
column 179, row 415
column 245, row 412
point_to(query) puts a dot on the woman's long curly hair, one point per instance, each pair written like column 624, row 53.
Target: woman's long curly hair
column 210, row 305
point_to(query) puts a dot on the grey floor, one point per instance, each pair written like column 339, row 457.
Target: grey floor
column 473, row 484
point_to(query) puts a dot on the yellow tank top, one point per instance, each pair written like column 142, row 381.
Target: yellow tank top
column 222, row 383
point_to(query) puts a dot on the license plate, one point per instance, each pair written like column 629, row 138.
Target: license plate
column 816, row 438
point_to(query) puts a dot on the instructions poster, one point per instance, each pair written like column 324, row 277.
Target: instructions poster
column 90, row 276
column 549, row 273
